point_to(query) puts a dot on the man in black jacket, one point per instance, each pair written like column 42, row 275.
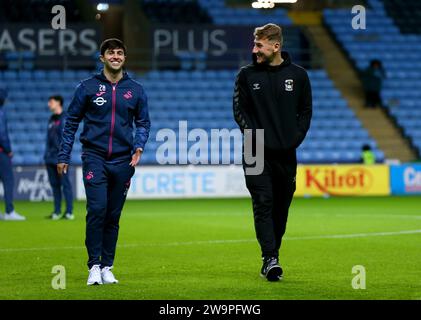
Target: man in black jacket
column 373, row 78
column 275, row 95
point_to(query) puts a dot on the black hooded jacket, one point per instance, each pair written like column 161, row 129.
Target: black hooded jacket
column 274, row 98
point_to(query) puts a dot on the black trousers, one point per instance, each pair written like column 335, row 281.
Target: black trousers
column 373, row 99
column 271, row 194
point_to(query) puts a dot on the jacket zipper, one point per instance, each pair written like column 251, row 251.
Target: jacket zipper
column 110, row 141
column 274, row 96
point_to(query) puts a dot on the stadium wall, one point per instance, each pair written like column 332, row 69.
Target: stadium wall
column 169, row 182
column 31, row 183
column 158, row 182
column 406, row 179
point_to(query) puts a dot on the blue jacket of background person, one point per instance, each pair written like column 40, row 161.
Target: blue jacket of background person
column 4, row 135
column 108, row 111
column 54, row 137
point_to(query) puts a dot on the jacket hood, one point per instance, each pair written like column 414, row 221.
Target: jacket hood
column 102, row 77
column 284, row 54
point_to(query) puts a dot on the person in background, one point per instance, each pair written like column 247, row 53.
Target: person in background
column 58, row 183
column 367, row 155
column 373, row 78
column 6, row 169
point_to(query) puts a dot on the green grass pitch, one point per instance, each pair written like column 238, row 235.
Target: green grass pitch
column 206, row 249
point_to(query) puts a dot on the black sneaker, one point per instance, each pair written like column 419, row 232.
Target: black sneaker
column 271, row 269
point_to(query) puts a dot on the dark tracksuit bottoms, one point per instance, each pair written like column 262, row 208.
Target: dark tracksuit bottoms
column 271, row 194
column 108, row 141
column 59, row 185
column 6, row 176
column 106, row 185
column 277, row 99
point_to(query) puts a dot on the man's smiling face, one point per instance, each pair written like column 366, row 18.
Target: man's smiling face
column 114, row 59
column 265, row 50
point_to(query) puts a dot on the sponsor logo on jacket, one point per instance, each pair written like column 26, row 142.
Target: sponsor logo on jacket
column 99, row 101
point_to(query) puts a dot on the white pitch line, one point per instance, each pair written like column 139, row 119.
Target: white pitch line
column 186, row 243
column 356, row 235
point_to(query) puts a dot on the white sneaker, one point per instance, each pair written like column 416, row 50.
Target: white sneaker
column 55, row 216
column 107, row 276
column 14, row 216
column 69, row 216
column 94, row 276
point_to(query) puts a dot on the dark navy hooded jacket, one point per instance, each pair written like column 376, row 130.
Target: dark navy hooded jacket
column 54, row 137
column 4, row 135
column 108, row 112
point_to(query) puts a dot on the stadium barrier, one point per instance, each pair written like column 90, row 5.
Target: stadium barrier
column 155, row 182
column 343, row 180
column 405, row 179
column 166, row 182
column 152, row 182
column 31, row 183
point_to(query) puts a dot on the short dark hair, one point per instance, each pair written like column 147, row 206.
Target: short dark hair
column 57, row 98
column 366, row 147
column 375, row 62
column 112, row 43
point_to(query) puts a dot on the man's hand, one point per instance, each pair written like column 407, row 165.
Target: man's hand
column 136, row 157
column 10, row 154
column 62, row 168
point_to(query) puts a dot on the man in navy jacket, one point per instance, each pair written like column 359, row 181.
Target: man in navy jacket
column 108, row 103
column 57, row 182
column 6, row 169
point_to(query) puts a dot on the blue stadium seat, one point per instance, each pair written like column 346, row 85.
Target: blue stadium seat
column 399, row 52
